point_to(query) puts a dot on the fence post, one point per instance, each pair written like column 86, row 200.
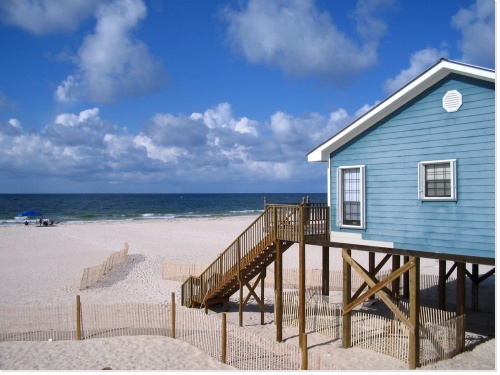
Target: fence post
column 302, row 275
column 303, row 342
column 224, row 338
column 78, row 318
column 172, row 314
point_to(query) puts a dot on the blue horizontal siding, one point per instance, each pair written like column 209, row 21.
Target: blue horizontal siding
column 423, row 131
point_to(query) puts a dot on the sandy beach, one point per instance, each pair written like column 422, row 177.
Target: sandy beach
column 44, row 266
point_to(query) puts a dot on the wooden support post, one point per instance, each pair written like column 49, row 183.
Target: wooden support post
column 460, row 309
column 78, row 318
column 396, row 263
column 262, row 310
column 240, row 308
column 224, row 338
column 302, row 276
column 346, row 299
column 303, row 346
column 371, row 267
column 172, row 315
column 325, row 279
column 475, row 287
column 414, row 345
column 279, row 295
column 442, row 285
column 278, row 291
column 406, row 280
column 240, row 281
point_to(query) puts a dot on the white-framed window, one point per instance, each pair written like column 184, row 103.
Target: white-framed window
column 351, row 197
column 437, row 180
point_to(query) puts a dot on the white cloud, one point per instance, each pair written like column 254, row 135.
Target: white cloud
column 477, row 26
column 419, row 61
column 68, row 90
column 209, row 146
column 111, row 64
column 42, row 17
column 69, row 119
column 302, row 40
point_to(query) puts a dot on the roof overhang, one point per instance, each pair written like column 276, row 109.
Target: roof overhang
column 428, row 78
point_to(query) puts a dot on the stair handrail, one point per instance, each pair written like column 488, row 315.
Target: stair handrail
column 241, row 250
column 262, row 232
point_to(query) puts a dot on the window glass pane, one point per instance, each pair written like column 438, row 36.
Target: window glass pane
column 351, row 194
column 438, row 180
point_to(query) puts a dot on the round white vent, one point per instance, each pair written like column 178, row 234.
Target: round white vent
column 452, row 101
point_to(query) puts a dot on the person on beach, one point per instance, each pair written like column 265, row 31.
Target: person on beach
column 41, row 220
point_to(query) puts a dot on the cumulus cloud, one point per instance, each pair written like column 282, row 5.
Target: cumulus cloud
column 111, row 64
column 477, row 26
column 302, row 40
column 419, row 61
column 209, row 146
column 42, row 17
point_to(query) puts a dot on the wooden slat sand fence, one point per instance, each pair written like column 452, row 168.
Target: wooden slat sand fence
column 91, row 275
column 439, row 329
column 125, row 319
column 181, row 271
column 244, row 350
column 38, row 323
column 439, row 333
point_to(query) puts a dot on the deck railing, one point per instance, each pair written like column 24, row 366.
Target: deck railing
column 277, row 222
column 313, row 217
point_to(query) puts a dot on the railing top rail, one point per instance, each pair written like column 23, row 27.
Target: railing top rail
column 236, row 240
column 296, row 205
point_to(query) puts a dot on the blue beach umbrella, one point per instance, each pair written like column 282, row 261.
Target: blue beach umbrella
column 30, row 213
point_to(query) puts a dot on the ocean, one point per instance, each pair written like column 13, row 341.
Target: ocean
column 78, row 208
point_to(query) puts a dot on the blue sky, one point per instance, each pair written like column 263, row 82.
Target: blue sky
column 206, row 96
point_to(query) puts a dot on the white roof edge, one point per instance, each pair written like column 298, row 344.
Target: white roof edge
column 429, row 77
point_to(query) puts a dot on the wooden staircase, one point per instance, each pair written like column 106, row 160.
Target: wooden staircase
column 254, row 250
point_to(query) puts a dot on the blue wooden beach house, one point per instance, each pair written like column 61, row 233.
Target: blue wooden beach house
column 415, row 177
column 417, row 172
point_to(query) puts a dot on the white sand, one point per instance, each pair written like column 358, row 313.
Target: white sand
column 44, row 266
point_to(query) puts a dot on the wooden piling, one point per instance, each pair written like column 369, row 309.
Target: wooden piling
column 414, row 345
column 461, row 279
column 302, row 276
column 475, row 287
column 224, row 339
column 396, row 263
column 371, row 267
column 78, row 318
column 278, row 291
column 406, row 280
column 325, row 276
column 346, row 299
column 303, row 345
column 442, row 285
